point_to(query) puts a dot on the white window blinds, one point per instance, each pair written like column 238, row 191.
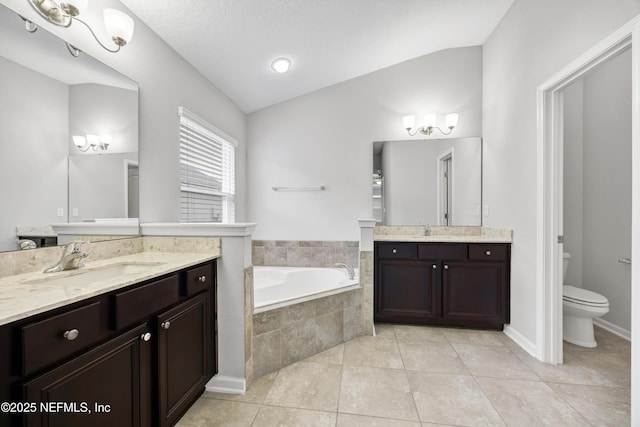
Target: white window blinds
column 207, row 171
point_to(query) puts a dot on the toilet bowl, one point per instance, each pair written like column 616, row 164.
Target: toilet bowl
column 579, row 307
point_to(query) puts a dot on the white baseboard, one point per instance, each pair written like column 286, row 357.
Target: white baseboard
column 614, row 329
column 228, row 385
column 519, row 339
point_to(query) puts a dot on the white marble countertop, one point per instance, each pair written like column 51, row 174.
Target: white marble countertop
column 27, row 294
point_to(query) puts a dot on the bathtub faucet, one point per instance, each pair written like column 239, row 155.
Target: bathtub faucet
column 348, row 267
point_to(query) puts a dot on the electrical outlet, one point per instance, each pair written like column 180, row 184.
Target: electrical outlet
column 75, row 212
column 486, row 210
column 478, row 210
column 60, row 212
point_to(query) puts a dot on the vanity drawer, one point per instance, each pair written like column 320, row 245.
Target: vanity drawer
column 488, row 252
column 448, row 252
column 197, row 280
column 131, row 306
column 52, row 339
column 396, row 250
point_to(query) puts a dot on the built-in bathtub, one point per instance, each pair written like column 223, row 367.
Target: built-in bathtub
column 276, row 287
column 301, row 311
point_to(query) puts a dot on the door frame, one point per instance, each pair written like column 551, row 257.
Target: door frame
column 447, row 154
column 549, row 198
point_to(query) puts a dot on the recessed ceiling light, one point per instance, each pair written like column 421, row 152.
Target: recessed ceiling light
column 281, row 65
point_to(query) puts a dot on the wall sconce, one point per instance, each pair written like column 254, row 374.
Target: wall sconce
column 119, row 25
column 94, row 142
column 450, row 120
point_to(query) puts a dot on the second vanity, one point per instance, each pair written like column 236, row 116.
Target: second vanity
column 455, row 276
column 132, row 345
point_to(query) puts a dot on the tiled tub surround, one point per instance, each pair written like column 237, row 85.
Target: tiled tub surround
column 158, row 256
column 304, row 253
column 289, row 334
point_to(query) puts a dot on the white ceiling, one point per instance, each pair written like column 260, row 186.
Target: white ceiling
column 232, row 42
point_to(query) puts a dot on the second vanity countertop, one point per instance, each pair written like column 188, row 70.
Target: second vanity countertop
column 471, row 234
column 28, row 294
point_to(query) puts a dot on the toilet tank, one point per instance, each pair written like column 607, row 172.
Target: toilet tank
column 566, row 256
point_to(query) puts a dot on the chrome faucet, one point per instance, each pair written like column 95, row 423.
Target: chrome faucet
column 348, row 267
column 70, row 258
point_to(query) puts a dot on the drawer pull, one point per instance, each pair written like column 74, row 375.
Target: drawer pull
column 71, row 334
column 434, row 266
column 146, row 336
column 488, row 253
column 202, row 279
column 394, row 251
column 446, row 267
column 165, row 325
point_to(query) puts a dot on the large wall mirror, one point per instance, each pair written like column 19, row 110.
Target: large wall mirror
column 428, row 182
column 48, row 96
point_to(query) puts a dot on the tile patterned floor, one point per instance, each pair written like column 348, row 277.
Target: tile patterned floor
column 422, row 376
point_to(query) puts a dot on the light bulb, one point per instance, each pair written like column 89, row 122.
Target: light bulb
column 408, row 122
column 281, row 65
column 74, row 7
column 93, row 140
column 119, row 26
column 451, row 120
column 79, row 140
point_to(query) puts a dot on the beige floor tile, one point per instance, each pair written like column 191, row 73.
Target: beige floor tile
column 418, row 333
column 431, row 357
column 572, row 371
column 529, row 403
column 334, row 356
column 615, row 367
column 349, row 420
column 385, row 330
column 493, row 361
column 452, row 399
column 306, row 385
column 214, row 412
column 372, row 351
column 602, row 406
column 377, row 392
column 273, row 416
column 467, row 336
column 255, row 394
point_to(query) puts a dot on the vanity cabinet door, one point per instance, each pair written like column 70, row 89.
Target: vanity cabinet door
column 107, row 386
column 474, row 293
column 406, row 291
column 184, row 356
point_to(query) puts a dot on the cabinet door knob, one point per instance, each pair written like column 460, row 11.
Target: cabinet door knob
column 146, row 336
column 446, row 267
column 165, row 325
column 202, row 279
column 434, row 266
column 394, row 251
column 71, row 334
column 488, row 253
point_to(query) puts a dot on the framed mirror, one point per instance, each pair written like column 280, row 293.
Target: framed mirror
column 428, row 182
column 68, row 137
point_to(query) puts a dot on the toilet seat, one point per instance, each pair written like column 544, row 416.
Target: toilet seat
column 583, row 297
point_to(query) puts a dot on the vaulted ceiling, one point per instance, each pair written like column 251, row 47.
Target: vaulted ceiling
column 233, row 42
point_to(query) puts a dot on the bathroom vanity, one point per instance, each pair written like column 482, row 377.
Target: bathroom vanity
column 460, row 281
column 135, row 353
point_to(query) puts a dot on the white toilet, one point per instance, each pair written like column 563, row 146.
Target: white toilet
column 579, row 307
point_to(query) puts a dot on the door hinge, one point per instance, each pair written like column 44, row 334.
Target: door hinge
column 560, row 239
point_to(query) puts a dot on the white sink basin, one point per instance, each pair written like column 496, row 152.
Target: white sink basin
column 83, row 277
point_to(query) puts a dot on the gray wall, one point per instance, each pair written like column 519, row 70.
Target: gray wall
column 166, row 81
column 325, row 138
column 535, row 39
column 33, row 153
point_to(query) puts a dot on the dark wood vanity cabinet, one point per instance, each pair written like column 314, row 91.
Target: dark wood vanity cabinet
column 448, row 284
column 140, row 357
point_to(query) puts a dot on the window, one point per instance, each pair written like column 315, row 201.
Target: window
column 207, row 171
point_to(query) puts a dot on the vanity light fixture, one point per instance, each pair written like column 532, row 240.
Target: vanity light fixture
column 118, row 24
column 281, row 65
column 429, row 125
column 95, row 142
